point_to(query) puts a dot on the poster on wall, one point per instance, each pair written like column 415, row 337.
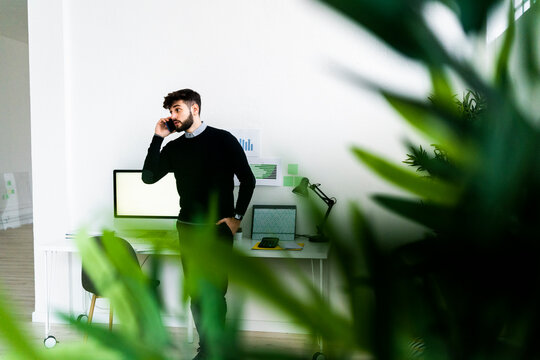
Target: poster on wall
column 250, row 140
column 267, row 171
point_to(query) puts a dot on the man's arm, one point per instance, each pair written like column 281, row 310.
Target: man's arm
column 247, row 183
column 156, row 164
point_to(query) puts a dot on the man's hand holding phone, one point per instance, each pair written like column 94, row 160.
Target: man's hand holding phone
column 165, row 127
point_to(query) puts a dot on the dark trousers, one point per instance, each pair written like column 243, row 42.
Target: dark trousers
column 207, row 293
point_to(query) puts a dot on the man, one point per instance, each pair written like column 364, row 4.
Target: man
column 204, row 161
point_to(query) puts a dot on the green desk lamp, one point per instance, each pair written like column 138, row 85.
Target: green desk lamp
column 302, row 190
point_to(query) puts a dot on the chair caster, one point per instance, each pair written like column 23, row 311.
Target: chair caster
column 81, row 317
column 50, row 342
column 318, row 356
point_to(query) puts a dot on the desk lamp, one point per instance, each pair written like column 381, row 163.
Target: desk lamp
column 302, row 190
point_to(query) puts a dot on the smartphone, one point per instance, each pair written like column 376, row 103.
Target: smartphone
column 170, row 125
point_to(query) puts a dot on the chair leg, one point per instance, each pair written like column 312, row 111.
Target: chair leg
column 91, row 313
column 110, row 317
column 92, row 306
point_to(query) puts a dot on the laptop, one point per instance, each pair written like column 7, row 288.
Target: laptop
column 274, row 221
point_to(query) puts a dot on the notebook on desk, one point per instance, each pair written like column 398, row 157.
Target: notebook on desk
column 274, row 221
column 284, row 245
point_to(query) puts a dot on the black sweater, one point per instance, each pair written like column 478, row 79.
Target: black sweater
column 204, row 167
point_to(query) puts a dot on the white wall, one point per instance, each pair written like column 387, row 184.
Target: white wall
column 48, row 130
column 99, row 72
column 14, row 134
column 257, row 65
column 15, row 107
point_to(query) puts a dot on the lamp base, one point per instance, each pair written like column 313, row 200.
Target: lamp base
column 318, row 238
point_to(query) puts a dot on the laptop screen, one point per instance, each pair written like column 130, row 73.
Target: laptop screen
column 273, row 221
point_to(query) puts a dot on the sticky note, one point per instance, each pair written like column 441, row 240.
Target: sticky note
column 297, row 180
column 288, row 180
column 292, row 169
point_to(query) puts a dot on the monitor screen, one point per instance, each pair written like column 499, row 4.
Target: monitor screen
column 273, row 221
column 135, row 199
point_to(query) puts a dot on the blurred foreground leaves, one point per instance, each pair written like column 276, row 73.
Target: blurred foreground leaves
column 469, row 289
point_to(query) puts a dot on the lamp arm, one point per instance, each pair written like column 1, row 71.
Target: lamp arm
column 329, row 201
column 328, row 211
column 321, row 227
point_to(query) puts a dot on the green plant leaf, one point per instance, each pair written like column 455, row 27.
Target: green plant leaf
column 110, row 344
column 417, row 158
column 502, row 79
column 381, row 324
column 207, row 257
column 429, row 189
column 355, row 263
column 527, row 50
column 425, row 118
column 442, row 89
column 433, row 216
column 473, row 14
column 115, row 273
column 441, row 124
column 13, row 335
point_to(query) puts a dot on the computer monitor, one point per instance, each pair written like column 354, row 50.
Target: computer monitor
column 273, row 221
column 135, row 199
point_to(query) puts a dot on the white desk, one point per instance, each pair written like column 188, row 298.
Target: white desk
column 311, row 251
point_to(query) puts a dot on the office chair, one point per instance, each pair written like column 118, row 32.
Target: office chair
column 89, row 286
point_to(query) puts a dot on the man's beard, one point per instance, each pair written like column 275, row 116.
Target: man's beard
column 186, row 124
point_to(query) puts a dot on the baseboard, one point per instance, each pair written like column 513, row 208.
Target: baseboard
column 102, row 317
column 271, row 326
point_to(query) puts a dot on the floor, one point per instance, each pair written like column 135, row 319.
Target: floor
column 17, row 269
column 17, row 280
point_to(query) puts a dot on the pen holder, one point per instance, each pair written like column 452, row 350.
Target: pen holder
column 238, row 235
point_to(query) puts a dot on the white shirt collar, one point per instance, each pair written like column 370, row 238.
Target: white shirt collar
column 198, row 131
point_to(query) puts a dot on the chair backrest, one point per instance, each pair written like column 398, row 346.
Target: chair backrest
column 87, row 283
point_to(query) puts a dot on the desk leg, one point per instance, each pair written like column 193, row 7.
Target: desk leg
column 70, row 283
column 321, row 290
column 47, row 294
column 321, row 277
column 50, row 256
column 49, row 341
column 189, row 323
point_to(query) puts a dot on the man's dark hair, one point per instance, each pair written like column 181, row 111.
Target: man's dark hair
column 187, row 95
